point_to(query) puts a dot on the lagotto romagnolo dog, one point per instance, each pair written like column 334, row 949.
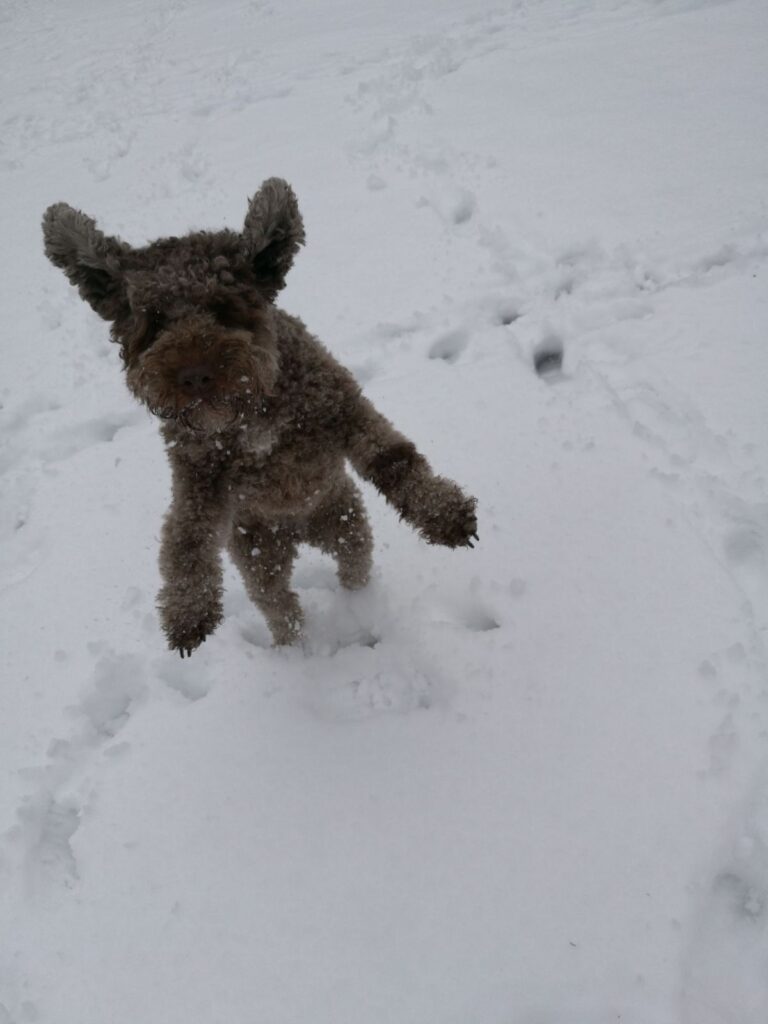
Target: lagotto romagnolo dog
column 258, row 418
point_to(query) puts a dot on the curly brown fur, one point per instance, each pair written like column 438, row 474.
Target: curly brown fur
column 258, row 418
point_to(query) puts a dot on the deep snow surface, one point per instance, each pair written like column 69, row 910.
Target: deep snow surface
column 526, row 784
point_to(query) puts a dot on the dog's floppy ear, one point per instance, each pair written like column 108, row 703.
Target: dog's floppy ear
column 90, row 259
column 272, row 234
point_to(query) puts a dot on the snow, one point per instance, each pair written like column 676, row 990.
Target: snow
column 525, row 784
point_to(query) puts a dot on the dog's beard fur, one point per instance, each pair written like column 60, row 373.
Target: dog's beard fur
column 243, row 365
column 205, row 416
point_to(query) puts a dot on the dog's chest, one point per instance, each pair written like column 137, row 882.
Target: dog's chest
column 250, row 449
column 281, row 475
column 245, row 457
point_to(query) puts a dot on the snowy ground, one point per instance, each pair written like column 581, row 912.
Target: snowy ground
column 526, row 784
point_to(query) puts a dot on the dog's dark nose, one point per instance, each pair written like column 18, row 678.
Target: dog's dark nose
column 195, row 380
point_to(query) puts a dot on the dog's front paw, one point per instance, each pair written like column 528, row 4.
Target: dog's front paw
column 186, row 627
column 187, row 639
column 451, row 520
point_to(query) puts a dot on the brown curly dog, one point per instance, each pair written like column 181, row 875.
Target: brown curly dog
column 258, row 418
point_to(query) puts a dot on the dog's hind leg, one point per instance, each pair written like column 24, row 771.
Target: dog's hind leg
column 264, row 555
column 340, row 528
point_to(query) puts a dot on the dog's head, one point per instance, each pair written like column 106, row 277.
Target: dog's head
column 193, row 315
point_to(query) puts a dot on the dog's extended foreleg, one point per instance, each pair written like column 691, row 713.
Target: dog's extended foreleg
column 190, row 562
column 436, row 507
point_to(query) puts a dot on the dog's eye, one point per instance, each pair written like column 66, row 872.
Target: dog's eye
column 138, row 332
column 149, row 323
column 156, row 322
